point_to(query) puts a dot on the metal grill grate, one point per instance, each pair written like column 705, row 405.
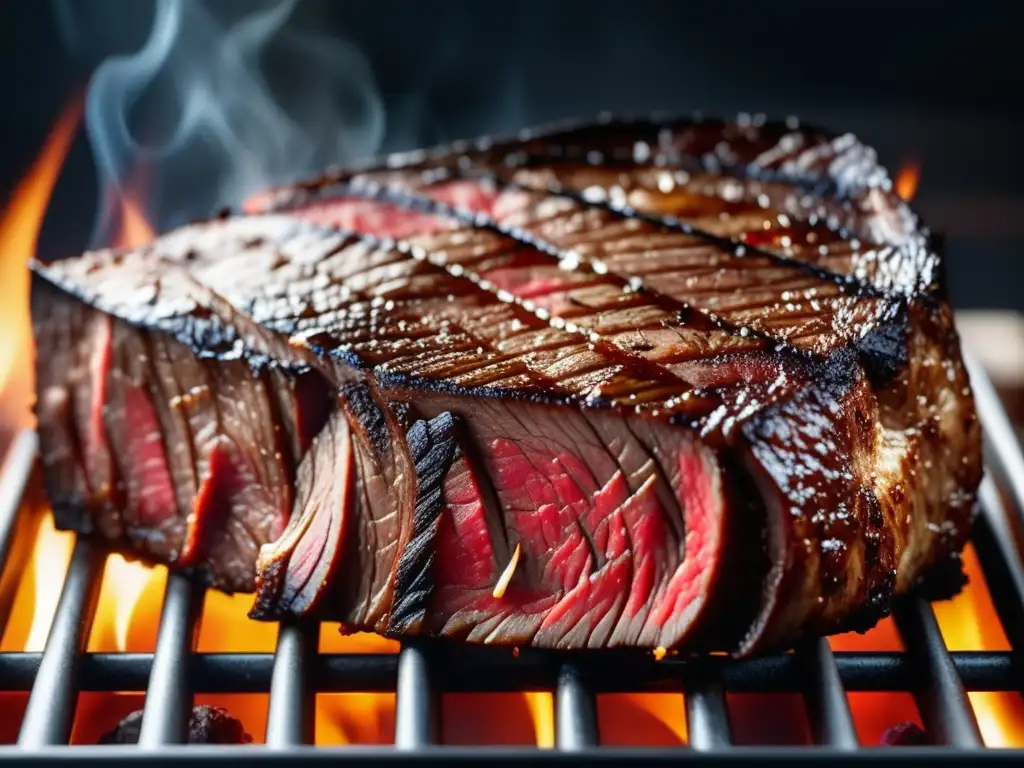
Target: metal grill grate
column 293, row 675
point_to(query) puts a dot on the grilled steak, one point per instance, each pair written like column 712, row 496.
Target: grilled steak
column 671, row 383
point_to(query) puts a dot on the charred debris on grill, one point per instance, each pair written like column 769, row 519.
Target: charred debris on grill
column 206, row 725
column 605, row 383
column 906, row 735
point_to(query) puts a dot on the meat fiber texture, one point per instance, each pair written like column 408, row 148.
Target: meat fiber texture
column 645, row 383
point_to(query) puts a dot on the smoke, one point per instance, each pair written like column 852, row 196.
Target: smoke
column 192, row 120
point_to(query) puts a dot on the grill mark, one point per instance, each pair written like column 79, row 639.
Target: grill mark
column 707, row 162
column 373, row 191
column 843, row 168
column 734, row 247
column 841, row 233
column 729, row 245
column 612, row 353
column 405, row 254
column 828, row 316
column 686, row 313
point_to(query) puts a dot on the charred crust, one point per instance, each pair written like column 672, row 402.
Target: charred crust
column 875, row 516
column 884, row 351
column 269, row 584
column 365, row 412
column 830, row 381
column 944, row 579
column 69, row 514
column 433, row 448
column 391, row 380
column 207, row 725
column 876, row 607
column 403, row 414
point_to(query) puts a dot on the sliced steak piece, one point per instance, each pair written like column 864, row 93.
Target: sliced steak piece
column 178, row 457
column 650, row 383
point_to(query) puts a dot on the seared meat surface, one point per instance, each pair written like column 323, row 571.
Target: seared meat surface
column 625, row 383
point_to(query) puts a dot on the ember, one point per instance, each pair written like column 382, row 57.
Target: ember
column 907, row 180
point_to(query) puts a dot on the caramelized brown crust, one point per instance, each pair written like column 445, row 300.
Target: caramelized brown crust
column 755, row 288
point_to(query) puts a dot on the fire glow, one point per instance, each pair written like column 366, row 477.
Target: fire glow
column 907, row 180
column 128, row 610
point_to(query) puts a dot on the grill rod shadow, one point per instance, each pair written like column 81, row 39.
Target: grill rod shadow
column 828, row 709
column 290, row 714
column 168, row 708
column 416, row 700
column 942, row 701
column 51, row 705
column 575, row 711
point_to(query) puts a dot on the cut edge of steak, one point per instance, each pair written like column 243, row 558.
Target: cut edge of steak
column 601, row 562
column 168, row 455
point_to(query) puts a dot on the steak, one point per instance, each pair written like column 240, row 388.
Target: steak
column 658, row 382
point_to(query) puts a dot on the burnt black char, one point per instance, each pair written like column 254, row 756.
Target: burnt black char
column 206, row 725
column 631, row 383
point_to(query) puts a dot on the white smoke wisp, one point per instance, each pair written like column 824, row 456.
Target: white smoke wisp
column 223, row 132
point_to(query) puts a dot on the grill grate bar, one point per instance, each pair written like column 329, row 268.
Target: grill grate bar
column 1002, row 448
column 372, row 673
column 290, row 713
column 14, row 477
column 941, row 699
column 995, row 537
column 15, row 472
column 575, row 711
column 707, row 715
column 168, row 705
column 51, row 705
column 416, row 704
column 828, row 709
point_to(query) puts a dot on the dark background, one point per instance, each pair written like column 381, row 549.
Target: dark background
column 939, row 83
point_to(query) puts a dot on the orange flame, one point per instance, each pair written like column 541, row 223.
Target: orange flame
column 135, row 229
column 19, row 233
column 907, row 180
column 969, row 622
